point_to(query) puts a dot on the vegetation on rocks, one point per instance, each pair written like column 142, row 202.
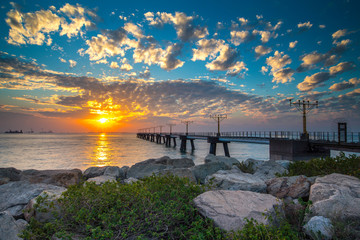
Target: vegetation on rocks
column 324, row 166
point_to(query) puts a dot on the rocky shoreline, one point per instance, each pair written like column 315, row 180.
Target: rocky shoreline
column 235, row 197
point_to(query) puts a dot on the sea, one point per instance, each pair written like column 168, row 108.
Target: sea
column 68, row 151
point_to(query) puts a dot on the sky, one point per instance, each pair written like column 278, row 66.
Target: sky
column 82, row 66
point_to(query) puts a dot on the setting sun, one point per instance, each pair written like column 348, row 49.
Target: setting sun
column 103, row 120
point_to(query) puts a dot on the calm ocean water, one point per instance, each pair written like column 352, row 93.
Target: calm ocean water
column 67, row 151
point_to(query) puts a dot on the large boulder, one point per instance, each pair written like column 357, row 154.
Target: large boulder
column 180, row 172
column 336, row 196
column 229, row 161
column 269, row 169
column 94, row 172
column 11, row 173
column 203, row 170
column 319, row 227
column 63, row 178
column 294, row 187
column 254, row 163
column 49, row 203
column 114, row 171
column 101, row 179
column 14, row 196
column 150, row 166
column 230, row 209
column 234, row 179
column 9, row 227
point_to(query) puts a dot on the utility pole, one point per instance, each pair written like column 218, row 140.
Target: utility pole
column 218, row 118
column 304, row 107
column 187, row 126
column 171, row 125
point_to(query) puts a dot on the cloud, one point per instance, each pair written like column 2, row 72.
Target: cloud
column 238, row 37
column 37, row 27
column 114, row 65
column 304, row 26
column 318, row 79
column 283, row 75
column 277, row 64
column 262, row 50
column 265, row 35
column 72, row 63
column 134, row 30
column 322, row 26
column 126, row 67
column 339, row 33
column 225, row 57
column 184, row 25
column 62, row 60
column 352, row 83
column 293, row 44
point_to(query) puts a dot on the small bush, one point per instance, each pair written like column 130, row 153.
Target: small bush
column 246, row 167
column 156, row 207
column 324, row 166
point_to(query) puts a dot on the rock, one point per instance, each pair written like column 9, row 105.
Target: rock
column 16, row 195
column 63, row 178
column 229, row 209
column 229, row 161
column 268, row 169
column 292, row 209
column 179, row 163
column 9, row 227
column 12, row 173
column 284, row 163
column 203, row 170
column 116, row 172
column 101, row 179
column 180, row 172
column 234, row 179
column 319, row 227
column 130, row 180
column 125, row 169
column 141, row 170
column 4, row 180
column 294, row 187
column 94, row 172
column 255, row 163
column 44, row 216
column 336, row 196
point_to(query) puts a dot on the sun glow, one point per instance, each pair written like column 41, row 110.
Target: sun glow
column 103, row 120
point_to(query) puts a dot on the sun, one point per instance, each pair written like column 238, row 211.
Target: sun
column 103, row 120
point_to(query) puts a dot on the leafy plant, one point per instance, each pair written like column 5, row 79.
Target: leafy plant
column 324, row 166
column 157, row 207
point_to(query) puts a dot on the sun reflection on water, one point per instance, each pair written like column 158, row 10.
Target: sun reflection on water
column 103, row 152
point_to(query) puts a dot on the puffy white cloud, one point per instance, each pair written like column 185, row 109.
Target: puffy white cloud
column 341, row 67
column 304, row 26
column 293, row 44
column 262, row 50
column 283, row 75
column 243, row 21
column 322, row 26
column 134, row 30
column 72, row 63
column 62, row 60
column 264, row 70
column 339, row 33
column 184, row 25
column 265, row 35
column 207, row 48
column 238, row 37
column 114, row 65
column 278, row 61
column 353, row 82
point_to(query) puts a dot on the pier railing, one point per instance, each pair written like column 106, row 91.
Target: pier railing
column 352, row 137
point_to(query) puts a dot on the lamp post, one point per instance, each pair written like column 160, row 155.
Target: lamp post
column 304, row 107
column 187, row 126
column 218, row 118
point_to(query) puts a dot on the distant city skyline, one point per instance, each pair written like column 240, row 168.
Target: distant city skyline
column 83, row 66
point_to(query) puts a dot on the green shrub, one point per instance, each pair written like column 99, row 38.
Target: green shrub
column 156, row 207
column 324, row 166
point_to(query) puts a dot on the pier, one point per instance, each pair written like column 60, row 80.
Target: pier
column 283, row 145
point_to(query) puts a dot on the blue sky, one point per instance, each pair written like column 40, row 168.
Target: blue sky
column 67, row 64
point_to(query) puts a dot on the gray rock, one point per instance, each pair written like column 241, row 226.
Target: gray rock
column 294, row 187
column 63, row 178
column 94, row 172
column 203, row 170
column 16, row 195
column 125, row 169
column 255, row 163
column 229, row 209
column 9, row 227
column 114, row 171
column 4, row 180
column 336, row 196
column 268, row 170
column 12, row 173
column 229, row 161
column 284, row 163
column 180, row 172
column 51, row 200
column 101, row 179
column 319, row 227
column 236, row 180
column 180, row 163
column 130, row 180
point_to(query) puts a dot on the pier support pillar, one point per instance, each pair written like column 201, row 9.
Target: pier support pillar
column 183, row 139
column 213, row 141
column 295, row 150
